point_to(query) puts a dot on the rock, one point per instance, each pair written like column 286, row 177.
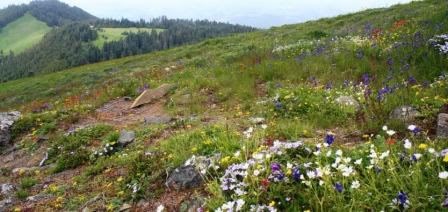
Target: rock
column 158, row 119
column 42, row 162
column 126, row 137
column 149, row 96
column 192, row 205
column 6, row 122
column 127, row 98
column 39, row 197
column 348, row 101
column 184, row 99
column 7, row 189
column 4, row 204
column 405, row 113
column 184, row 177
column 125, row 207
column 442, row 125
column 24, row 170
column 257, row 120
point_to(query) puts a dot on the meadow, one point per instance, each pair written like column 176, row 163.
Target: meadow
column 22, row 34
column 306, row 152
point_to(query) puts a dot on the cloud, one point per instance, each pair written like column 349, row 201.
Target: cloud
column 260, row 13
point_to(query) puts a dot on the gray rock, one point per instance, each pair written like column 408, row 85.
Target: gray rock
column 257, row 120
column 149, row 96
column 7, row 120
column 7, row 189
column 192, row 204
column 157, row 120
column 39, row 197
column 348, row 101
column 184, row 177
column 125, row 207
column 126, row 137
column 442, row 125
column 405, row 113
column 184, row 99
column 4, row 204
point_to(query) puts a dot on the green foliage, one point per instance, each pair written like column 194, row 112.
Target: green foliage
column 22, row 194
column 71, row 151
column 27, row 182
column 206, row 141
column 146, row 170
column 311, row 104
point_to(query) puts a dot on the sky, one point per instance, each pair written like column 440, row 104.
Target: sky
column 258, row 13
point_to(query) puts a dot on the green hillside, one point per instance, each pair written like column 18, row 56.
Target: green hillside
column 22, row 34
column 337, row 114
column 115, row 34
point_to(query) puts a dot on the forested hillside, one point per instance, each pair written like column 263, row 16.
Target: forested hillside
column 71, row 43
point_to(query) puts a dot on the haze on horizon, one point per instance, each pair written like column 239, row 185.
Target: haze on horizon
column 258, row 13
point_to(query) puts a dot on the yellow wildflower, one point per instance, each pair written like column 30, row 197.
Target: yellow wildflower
column 272, row 204
column 423, row 146
column 445, row 159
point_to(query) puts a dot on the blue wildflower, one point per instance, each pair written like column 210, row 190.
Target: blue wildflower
column 329, row 138
column 339, row 187
column 278, row 105
column 365, row 79
column 412, row 80
column 382, row 93
column 402, row 200
column 296, row 174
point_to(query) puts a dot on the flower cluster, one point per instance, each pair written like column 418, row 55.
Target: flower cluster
column 440, row 42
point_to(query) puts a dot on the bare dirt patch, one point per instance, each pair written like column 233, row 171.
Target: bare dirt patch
column 120, row 114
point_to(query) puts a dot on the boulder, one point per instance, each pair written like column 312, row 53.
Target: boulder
column 157, row 119
column 405, row 113
column 126, row 137
column 7, row 189
column 442, row 125
column 7, row 120
column 152, row 95
column 348, row 101
column 184, row 177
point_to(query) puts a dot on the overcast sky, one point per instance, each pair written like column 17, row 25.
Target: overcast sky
column 259, row 13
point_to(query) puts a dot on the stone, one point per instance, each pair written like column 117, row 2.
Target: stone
column 126, row 137
column 125, row 207
column 405, row 113
column 7, row 189
column 257, row 120
column 5, row 203
column 39, row 197
column 127, row 98
column 442, row 125
column 152, row 95
column 192, row 205
column 42, row 162
column 348, row 101
column 7, row 120
column 157, row 119
column 184, row 177
column 184, row 99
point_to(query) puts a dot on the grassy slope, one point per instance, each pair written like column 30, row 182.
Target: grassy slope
column 114, row 34
column 22, row 34
column 212, row 52
column 231, row 73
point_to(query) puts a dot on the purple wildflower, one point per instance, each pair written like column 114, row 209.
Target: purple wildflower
column 365, row 79
column 402, row 200
column 339, row 187
column 412, row 80
column 329, row 138
column 296, row 174
column 275, row 167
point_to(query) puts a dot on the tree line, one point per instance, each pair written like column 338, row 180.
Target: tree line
column 71, row 45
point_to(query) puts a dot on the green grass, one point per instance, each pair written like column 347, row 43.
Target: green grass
column 22, row 34
column 231, row 79
column 115, row 34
